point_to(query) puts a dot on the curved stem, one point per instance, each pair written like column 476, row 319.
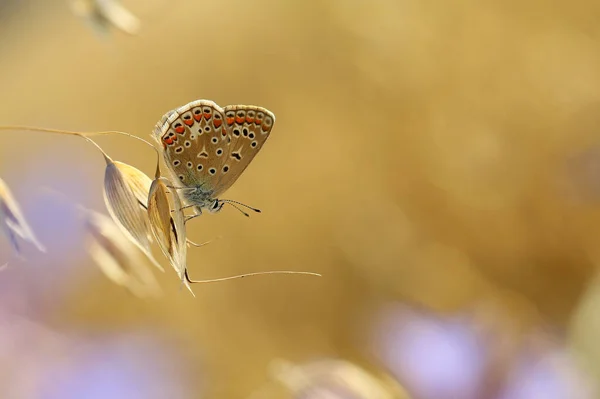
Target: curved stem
column 106, row 157
column 216, row 280
column 81, row 134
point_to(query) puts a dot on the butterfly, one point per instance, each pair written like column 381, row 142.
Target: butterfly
column 206, row 148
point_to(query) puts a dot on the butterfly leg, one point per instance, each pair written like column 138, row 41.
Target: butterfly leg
column 187, row 219
column 183, row 208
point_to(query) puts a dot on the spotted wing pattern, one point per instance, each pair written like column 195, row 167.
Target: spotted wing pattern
column 248, row 128
column 209, row 147
column 195, row 141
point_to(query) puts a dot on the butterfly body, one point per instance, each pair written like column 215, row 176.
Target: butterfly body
column 206, row 147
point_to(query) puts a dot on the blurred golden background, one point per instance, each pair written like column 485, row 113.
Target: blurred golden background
column 438, row 162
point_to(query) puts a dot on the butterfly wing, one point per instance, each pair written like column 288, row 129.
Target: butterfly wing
column 194, row 139
column 248, row 128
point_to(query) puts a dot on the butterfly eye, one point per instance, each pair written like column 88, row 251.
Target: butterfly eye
column 215, row 205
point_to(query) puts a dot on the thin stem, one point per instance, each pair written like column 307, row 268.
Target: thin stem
column 84, row 135
column 74, row 133
column 190, row 242
column 216, row 280
column 106, row 157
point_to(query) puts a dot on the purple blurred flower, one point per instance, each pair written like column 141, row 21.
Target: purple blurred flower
column 553, row 375
column 36, row 362
column 433, row 358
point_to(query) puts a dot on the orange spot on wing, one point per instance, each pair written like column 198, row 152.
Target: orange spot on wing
column 230, row 121
column 198, row 117
column 264, row 127
column 257, row 121
column 180, row 129
column 249, row 120
column 188, row 122
column 217, row 122
column 168, row 140
column 207, row 116
column 239, row 119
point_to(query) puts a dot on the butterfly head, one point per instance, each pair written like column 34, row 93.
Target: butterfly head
column 216, row 206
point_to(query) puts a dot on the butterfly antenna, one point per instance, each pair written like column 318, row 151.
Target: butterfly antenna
column 239, row 203
column 233, row 205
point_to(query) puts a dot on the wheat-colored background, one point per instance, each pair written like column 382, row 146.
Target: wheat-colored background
column 440, row 156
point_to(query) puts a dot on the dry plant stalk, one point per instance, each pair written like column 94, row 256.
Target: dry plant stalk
column 104, row 14
column 13, row 222
column 128, row 192
column 123, row 189
column 118, row 258
column 124, row 208
column 139, row 182
column 327, row 376
column 168, row 230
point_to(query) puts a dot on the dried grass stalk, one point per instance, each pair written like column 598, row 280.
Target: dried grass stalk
column 118, row 258
column 102, row 14
column 168, row 225
column 13, row 222
column 138, row 181
column 125, row 190
column 123, row 207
